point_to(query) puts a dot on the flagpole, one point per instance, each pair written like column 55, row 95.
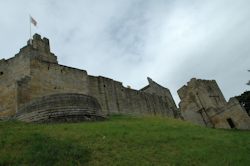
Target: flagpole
column 30, row 28
column 32, row 21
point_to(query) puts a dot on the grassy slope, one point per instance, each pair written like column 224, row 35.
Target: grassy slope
column 122, row 141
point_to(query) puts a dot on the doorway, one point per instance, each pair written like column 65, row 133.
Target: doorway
column 231, row 123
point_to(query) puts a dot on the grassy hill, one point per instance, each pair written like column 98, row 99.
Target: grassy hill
column 122, row 140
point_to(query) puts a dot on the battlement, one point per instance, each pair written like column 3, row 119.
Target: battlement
column 40, row 44
column 38, row 48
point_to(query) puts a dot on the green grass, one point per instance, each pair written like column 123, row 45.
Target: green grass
column 122, row 140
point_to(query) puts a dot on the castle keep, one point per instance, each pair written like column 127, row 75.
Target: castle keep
column 34, row 87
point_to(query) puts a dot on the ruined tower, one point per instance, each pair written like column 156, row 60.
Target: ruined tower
column 203, row 103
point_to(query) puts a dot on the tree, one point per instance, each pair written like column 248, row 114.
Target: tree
column 244, row 100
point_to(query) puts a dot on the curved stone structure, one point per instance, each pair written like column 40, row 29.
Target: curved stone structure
column 60, row 108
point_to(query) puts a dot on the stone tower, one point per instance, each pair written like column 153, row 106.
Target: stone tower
column 203, row 103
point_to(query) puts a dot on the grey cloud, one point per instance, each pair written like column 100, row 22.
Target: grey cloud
column 128, row 40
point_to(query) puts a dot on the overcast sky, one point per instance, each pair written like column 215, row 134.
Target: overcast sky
column 170, row 41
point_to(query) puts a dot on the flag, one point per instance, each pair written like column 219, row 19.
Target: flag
column 33, row 21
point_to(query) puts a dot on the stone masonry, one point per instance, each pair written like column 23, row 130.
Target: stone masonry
column 61, row 107
column 36, row 88
column 34, row 74
column 203, row 103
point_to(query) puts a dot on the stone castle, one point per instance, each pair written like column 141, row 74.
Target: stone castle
column 36, row 88
column 30, row 81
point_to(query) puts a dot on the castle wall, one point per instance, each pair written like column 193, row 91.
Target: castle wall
column 114, row 98
column 11, row 71
column 49, row 78
column 161, row 92
column 34, row 73
column 156, row 89
column 14, row 69
column 8, row 100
